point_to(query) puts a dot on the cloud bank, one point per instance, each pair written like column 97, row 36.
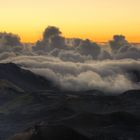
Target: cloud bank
column 109, row 75
column 77, row 64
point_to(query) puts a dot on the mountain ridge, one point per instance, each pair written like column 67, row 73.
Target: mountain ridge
column 92, row 114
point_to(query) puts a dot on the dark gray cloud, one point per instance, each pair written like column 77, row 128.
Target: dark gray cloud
column 10, row 45
column 51, row 39
column 9, row 39
column 76, row 49
column 121, row 48
column 86, row 47
column 51, row 31
column 118, row 42
column 54, row 43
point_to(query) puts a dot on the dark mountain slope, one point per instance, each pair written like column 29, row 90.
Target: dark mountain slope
column 24, row 78
column 27, row 99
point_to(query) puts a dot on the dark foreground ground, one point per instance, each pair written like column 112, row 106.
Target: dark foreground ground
column 32, row 108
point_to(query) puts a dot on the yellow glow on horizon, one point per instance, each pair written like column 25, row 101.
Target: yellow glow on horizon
column 97, row 20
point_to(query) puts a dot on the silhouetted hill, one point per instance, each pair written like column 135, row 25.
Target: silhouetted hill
column 27, row 100
column 23, row 78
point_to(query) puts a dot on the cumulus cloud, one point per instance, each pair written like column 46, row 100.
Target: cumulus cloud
column 51, row 39
column 9, row 39
column 118, row 42
column 70, row 49
column 86, row 47
column 9, row 42
column 121, row 48
column 104, row 54
column 10, row 45
column 54, row 43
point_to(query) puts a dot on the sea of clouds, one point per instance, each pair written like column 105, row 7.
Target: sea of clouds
column 77, row 64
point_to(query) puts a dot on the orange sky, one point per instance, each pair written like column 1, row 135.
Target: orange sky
column 98, row 20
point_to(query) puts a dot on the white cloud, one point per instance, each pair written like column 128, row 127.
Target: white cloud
column 108, row 75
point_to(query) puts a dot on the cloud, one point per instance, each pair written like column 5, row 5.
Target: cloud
column 111, row 76
column 53, row 43
column 70, row 49
column 118, row 42
column 51, row 31
column 130, row 52
column 72, row 56
column 6, row 55
column 104, row 54
column 10, row 45
column 121, row 48
column 86, row 47
column 77, row 64
column 9, row 39
column 51, row 39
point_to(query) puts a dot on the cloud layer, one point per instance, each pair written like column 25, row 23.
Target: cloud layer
column 77, row 64
column 109, row 75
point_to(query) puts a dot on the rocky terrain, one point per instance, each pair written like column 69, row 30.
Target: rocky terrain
column 33, row 108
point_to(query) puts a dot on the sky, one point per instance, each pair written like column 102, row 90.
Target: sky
column 97, row 20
